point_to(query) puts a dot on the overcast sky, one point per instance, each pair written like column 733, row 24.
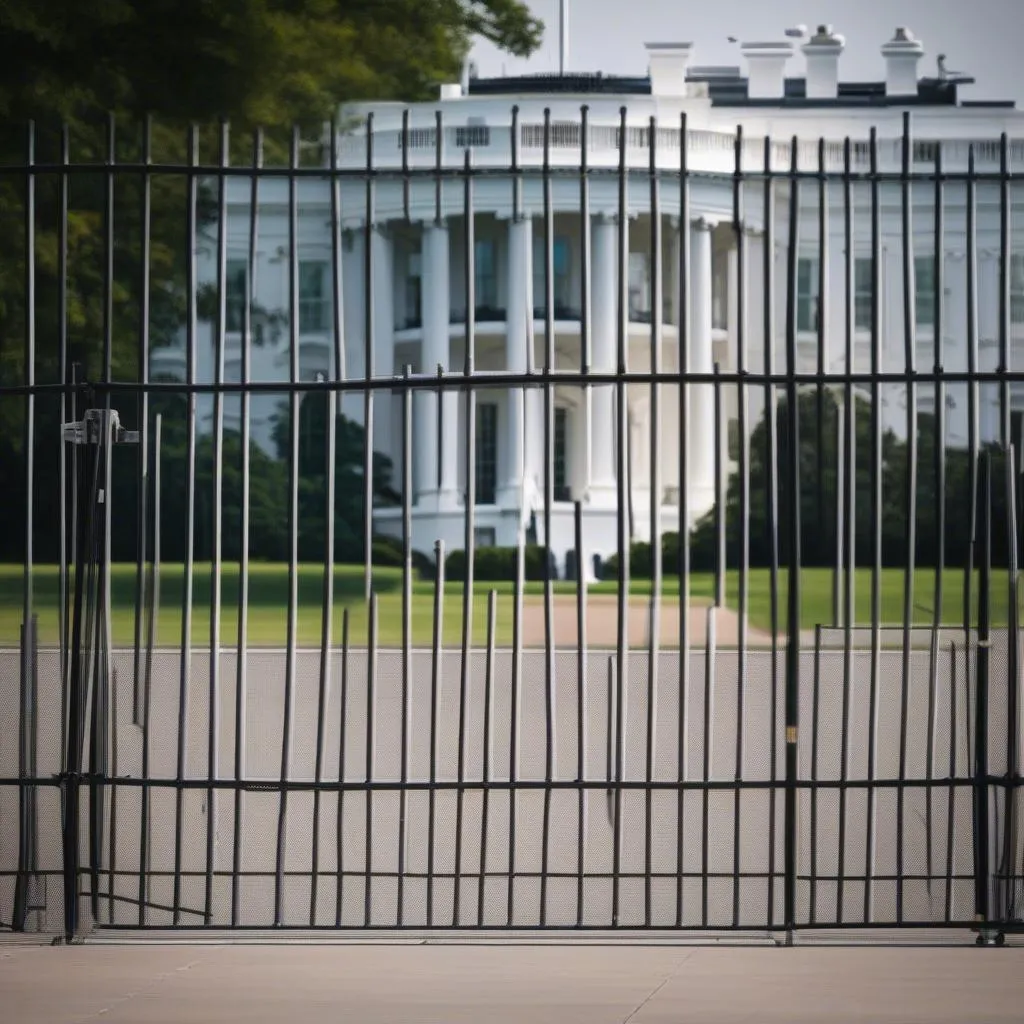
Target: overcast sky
column 982, row 38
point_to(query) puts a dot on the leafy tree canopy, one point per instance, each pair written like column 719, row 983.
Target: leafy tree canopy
column 258, row 61
column 268, row 63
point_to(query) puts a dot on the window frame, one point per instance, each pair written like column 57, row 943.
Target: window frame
column 485, row 473
column 485, row 281
column 808, row 300
column 237, row 267
column 561, row 467
column 561, row 253
column 319, row 303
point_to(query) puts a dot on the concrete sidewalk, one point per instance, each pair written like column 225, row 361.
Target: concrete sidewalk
column 495, row 983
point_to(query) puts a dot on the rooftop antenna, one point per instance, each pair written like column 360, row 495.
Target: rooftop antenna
column 563, row 36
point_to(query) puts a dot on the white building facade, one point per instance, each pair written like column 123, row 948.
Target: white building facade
column 696, row 275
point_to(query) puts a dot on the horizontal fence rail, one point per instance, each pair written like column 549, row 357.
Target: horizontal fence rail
column 580, row 521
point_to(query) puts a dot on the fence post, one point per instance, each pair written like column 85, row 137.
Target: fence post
column 983, row 541
column 26, row 774
column 793, row 559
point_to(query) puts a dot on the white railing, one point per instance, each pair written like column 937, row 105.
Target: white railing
column 490, row 146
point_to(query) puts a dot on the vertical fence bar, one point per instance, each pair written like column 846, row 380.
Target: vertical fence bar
column 216, row 578
column 1005, row 256
column 910, row 362
column 739, row 230
column 100, row 749
column 771, row 505
column 684, row 334
column 550, row 704
column 581, row 708
column 849, row 518
column 876, row 477
column 823, row 325
column 971, row 217
column 142, row 413
column 954, row 740
column 26, row 723
column 242, row 659
column 436, row 679
column 330, row 484
column 407, row 723
column 369, row 286
column 815, row 727
column 582, row 656
column 339, row 825
column 654, row 488
column 622, row 518
column 939, row 456
column 721, row 513
column 63, row 369
column 793, row 554
column 488, row 738
column 586, row 241
column 86, row 485
column 517, row 597
column 371, row 755
column 293, row 527
column 190, row 513
column 982, row 877
column 710, row 673
column 1011, row 841
column 470, row 534
column 153, row 619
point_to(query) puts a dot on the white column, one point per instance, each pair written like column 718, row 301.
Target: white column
column 604, row 293
column 436, row 352
column 353, row 270
column 701, row 428
column 519, row 315
column 384, row 341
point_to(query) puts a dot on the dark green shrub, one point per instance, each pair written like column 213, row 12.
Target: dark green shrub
column 498, row 564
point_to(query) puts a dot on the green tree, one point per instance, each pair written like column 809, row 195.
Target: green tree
column 819, row 433
column 96, row 70
column 349, row 518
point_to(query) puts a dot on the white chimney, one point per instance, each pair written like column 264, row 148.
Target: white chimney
column 668, row 67
column 822, row 51
column 766, row 69
column 901, row 54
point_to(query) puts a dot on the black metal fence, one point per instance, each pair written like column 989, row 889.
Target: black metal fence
column 747, row 737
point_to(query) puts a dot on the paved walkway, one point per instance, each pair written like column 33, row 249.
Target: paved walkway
column 602, row 623
column 501, row 983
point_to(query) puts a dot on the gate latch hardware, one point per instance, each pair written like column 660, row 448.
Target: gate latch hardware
column 94, row 427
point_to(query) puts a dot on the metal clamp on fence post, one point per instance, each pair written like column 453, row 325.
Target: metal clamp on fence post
column 97, row 424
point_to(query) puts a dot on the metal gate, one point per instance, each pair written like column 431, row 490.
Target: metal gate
column 204, row 740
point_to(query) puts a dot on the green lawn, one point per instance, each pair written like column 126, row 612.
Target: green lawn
column 268, row 602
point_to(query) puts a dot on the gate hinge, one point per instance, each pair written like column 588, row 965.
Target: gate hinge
column 92, row 429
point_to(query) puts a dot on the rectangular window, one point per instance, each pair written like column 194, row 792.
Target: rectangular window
column 313, row 310
column 1017, row 288
column 807, row 294
column 236, row 293
column 485, row 274
column 561, row 462
column 863, row 288
column 924, row 290
column 414, row 293
column 486, row 453
column 561, row 254
column 639, row 288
